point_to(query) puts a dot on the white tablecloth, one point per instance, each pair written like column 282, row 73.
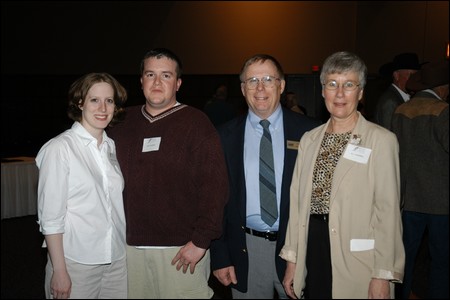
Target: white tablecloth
column 19, row 187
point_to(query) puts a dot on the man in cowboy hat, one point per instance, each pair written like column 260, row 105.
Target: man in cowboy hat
column 400, row 69
column 422, row 129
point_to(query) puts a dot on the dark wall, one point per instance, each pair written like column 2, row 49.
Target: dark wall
column 46, row 45
column 214, row 37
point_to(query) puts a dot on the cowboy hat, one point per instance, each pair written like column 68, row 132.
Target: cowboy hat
column 431, row 75
column 403, row 61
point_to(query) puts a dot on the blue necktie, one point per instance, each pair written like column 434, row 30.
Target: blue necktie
column 267, row 187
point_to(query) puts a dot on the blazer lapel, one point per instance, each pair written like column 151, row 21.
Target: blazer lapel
column 236, row 162
column 345, row 165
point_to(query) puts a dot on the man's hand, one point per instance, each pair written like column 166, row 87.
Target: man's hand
column 226, row 276
column 188, row 256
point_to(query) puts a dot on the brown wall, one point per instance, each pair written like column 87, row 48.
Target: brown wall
column 215, row 37
column 46, row 45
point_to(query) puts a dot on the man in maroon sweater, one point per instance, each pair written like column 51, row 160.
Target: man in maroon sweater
column 176, row 187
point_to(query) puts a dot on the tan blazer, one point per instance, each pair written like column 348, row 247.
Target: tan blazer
column 364, row 210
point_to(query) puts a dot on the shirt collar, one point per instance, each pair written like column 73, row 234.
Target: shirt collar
column 275, row 119
column 86, row 137
column 404, row 95
column 432, row 93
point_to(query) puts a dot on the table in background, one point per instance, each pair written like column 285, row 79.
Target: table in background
column 19, row 187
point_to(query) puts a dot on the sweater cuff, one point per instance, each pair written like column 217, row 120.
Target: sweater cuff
column 201, row 241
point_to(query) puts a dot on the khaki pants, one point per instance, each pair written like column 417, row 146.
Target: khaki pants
column 107, row 281
column 152, row 276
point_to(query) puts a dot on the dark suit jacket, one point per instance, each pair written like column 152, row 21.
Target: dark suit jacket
column 231, row 249
column 387, row 103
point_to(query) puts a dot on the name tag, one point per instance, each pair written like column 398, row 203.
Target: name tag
column 113, row 158
column 293, row 145
column 357, row 153
column 361, row 244
column 151, row 144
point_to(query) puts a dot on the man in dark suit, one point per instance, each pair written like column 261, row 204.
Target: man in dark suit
column 401, row 68
column 246, row 256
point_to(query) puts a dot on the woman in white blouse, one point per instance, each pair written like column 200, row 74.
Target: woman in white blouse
column 80, row 206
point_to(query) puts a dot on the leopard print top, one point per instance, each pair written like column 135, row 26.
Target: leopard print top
column 331, row 149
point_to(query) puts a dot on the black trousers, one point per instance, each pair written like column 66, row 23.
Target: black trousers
column 318, row 259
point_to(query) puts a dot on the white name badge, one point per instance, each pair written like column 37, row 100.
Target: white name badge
column 361, row 244
column 151, row 144
column 357, row 153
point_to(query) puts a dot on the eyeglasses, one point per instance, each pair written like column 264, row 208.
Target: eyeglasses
column 348, row 86
column 267, row 81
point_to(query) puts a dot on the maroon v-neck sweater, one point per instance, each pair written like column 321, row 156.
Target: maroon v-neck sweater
column 176, row 182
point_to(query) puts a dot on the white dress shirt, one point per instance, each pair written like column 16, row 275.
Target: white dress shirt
column 80, row 195
column 404, row 95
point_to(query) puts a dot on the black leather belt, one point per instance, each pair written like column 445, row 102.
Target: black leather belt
column 268, row 235
column 320, row 217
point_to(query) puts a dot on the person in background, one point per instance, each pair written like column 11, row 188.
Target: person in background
column 344, row 237
column 400, row 69
column 291, row 103
column 80, row 204
column 175, row 186
column 246, row 255
column 422, row 129
column 218, row 109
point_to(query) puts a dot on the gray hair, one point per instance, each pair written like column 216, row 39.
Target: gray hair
column 343, row 62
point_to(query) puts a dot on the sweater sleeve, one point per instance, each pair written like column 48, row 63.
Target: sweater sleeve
column 212, row 188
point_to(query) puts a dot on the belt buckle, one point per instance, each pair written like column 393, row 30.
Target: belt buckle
column 270, row 237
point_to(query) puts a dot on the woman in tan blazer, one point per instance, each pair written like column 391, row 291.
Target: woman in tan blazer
column 344, row 236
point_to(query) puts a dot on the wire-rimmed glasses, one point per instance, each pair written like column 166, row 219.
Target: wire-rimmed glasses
column 348, row 86
column 267, row 82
